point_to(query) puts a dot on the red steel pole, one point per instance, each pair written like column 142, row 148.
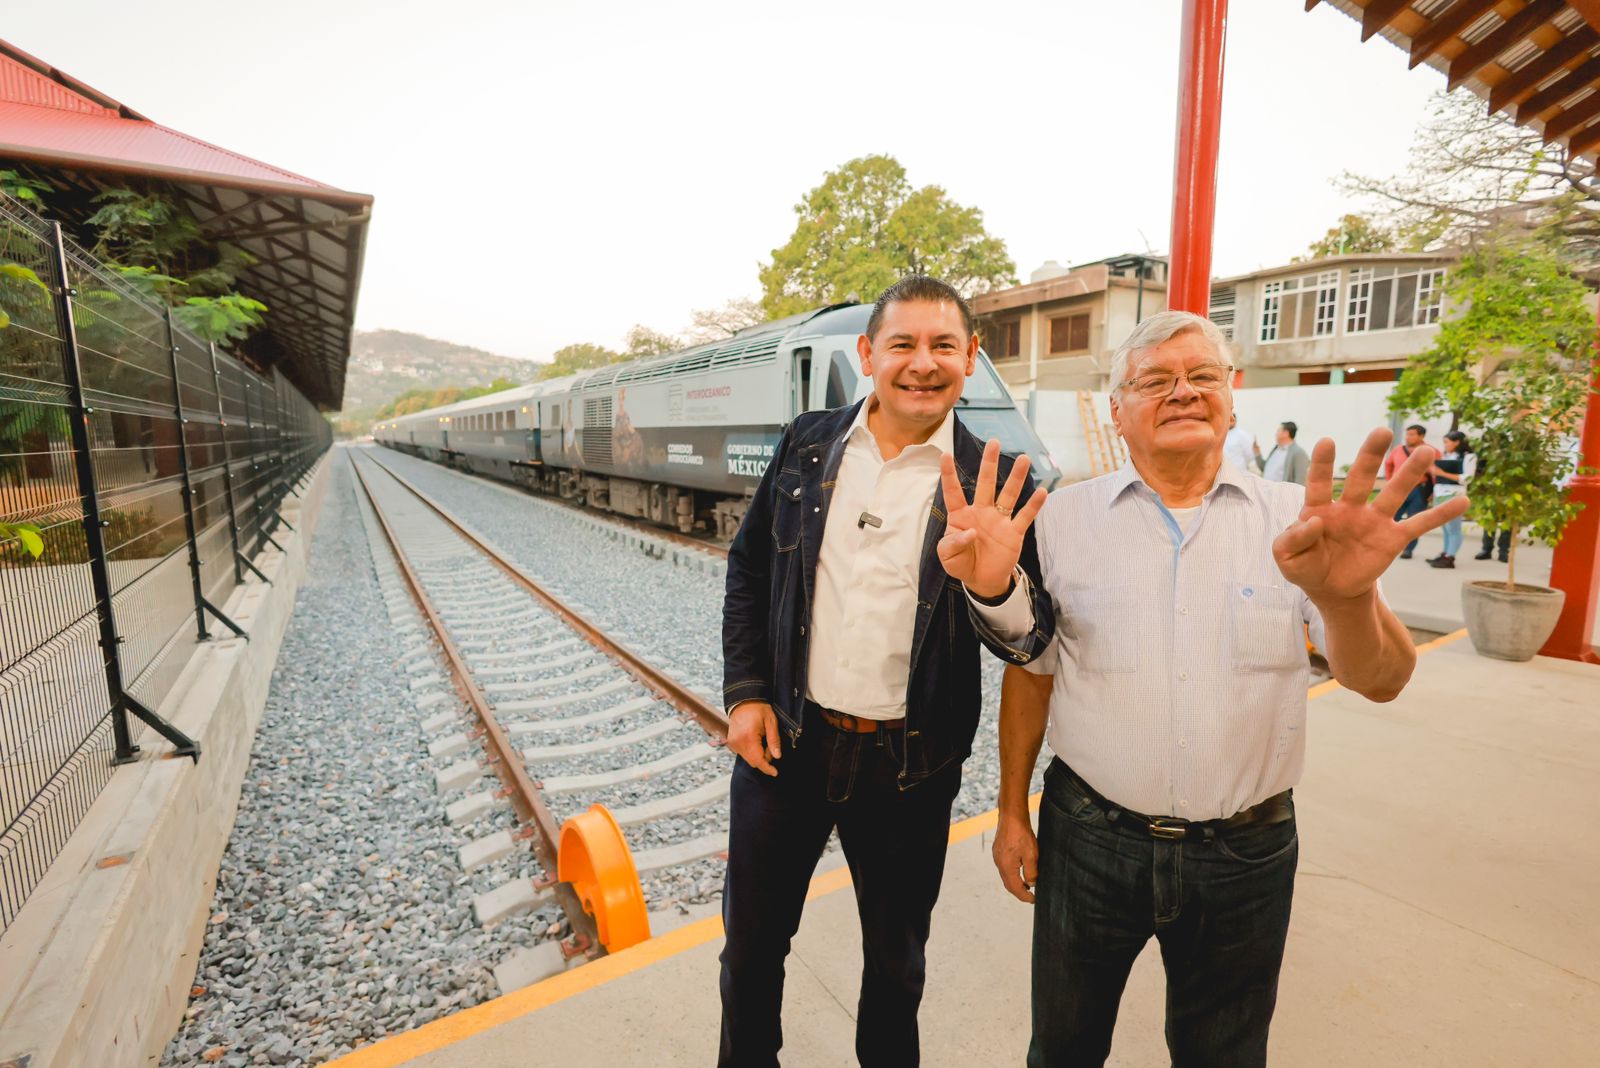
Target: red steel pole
column 1194, row 173
column 1576, row 567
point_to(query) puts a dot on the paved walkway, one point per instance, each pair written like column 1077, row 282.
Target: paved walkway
column 1450, row 865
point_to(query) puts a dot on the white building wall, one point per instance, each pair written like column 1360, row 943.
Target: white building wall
column 1346, row 413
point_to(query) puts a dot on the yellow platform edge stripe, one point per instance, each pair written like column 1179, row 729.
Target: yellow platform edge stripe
column 404, row 1047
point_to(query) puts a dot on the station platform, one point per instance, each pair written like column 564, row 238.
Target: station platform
column 1449, row 866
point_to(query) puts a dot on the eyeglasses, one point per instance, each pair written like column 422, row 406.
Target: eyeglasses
column 1207, row 378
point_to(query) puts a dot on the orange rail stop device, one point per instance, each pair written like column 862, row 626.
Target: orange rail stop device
column 594, row 857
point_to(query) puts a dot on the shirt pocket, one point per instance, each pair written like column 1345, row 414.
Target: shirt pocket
column 787, row 511
column 1266, row 632
column 1105, row 627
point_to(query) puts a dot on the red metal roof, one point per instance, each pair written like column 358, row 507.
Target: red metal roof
column 48, row 117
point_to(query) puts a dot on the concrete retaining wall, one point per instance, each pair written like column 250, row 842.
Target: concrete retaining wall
column 96, row 968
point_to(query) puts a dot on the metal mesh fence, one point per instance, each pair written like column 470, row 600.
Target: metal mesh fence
column 147, row 469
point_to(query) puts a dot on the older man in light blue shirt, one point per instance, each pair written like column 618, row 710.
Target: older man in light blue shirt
column 1174, row 699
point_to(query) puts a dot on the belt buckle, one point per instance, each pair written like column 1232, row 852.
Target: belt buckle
column 1162, row 827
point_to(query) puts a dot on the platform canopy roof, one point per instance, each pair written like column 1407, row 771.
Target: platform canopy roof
column 309, row 238
column 1533, row 60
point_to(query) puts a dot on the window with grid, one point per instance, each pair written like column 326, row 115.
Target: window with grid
column 1070, row 333
column 1393, row 298
column 1301, row 307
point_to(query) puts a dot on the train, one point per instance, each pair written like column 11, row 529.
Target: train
column 681, row 440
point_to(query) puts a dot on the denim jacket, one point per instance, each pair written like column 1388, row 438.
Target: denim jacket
column 772, row 568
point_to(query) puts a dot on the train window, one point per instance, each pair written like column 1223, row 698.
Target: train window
column 511, row 420
column 802, row 379
column 841, row 381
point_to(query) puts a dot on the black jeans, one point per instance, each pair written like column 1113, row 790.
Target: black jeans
column 1416, row 502
column 1505, row 542
column 894, row 842
column 1219, row 909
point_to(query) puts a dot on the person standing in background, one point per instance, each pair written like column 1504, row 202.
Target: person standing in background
column 1450, row 472
column 1416, row 501
column 1287, row 462
column 1239, row 447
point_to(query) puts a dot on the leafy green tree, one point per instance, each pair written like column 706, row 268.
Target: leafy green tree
column 159, row 248
column 643, row 341
column 864, row 227
column 579, row 357
column 1355, row 233
column 1513, row 365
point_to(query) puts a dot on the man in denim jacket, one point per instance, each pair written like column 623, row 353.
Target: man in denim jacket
column 874, row 558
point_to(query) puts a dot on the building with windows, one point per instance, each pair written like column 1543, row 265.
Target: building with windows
column 1058, row 330
column 1355, row 318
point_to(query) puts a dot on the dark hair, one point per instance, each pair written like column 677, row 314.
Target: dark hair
column 919, row 287
column 1421, row 430
column 1460, row 439
column 1291, row 428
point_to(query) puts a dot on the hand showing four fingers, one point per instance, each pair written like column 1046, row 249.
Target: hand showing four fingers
column 1338, row 548
column 983, row 539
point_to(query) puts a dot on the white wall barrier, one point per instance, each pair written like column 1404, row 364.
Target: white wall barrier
column 1345, row 413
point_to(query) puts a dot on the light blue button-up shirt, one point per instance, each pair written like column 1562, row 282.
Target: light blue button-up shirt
column 1180, row 659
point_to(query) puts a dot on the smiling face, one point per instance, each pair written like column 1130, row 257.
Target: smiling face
column 918, row 362
column 1184, row 421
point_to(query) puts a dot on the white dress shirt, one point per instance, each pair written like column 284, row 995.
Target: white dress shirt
column 1179, row 658
column 1239, row 448
column 864, row 610
column 1277, row 461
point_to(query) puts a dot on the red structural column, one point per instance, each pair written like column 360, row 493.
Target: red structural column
column 1576, row 567
column 1194, row 171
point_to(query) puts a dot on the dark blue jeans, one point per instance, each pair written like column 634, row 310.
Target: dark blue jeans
column 1416, row 503
column 894, row 842
column 1219, row 909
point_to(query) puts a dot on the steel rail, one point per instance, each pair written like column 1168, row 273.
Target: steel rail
column 503, row 757
column 710, row 718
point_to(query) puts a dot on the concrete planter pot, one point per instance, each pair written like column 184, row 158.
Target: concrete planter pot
column 1506, row 624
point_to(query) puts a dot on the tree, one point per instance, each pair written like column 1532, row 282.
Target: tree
column 1513, row 365
column 864, row 228
column 579, row 357
column 718, row 324
column 643, row 341
column 1472, row 173
column 1355, row 233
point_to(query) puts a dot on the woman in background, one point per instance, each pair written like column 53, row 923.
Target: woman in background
column 1451, row 470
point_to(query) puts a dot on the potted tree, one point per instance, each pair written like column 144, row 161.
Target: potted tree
column 1512, row 363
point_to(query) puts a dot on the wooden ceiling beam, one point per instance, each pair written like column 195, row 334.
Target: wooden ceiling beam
column 1505, row 36
column 1560, row 90
column 1445, row 25
column 1378, row 14
column 1585, row 141
column 1541, row 66
column 1564, row 122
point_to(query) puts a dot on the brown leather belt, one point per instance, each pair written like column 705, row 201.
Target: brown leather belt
column 843, row 721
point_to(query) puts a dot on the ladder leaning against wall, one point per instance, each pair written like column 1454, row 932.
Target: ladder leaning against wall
column 1106, row 451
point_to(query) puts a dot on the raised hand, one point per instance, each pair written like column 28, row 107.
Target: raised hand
column 983, row 539
column 1337, row 549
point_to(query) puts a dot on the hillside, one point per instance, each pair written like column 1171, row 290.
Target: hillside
column 386, row 363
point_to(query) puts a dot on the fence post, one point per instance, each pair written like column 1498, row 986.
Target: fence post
column 94, row 524
column 240, row 560
column 201, row 605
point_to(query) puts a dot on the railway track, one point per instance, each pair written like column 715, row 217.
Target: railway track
column 600, row 517
column 565, row 718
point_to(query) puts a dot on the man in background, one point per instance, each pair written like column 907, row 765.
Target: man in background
column 1421, row 495
column 1240, row 446
column 1287, row 462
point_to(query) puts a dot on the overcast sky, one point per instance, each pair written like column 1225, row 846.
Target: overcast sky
column 555, row 172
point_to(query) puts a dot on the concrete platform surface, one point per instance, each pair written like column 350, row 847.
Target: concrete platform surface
column 1444, row 914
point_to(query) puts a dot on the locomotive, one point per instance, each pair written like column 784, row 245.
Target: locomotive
column 681, row 440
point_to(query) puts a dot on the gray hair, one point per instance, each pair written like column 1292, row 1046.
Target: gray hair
column 1159, row 329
